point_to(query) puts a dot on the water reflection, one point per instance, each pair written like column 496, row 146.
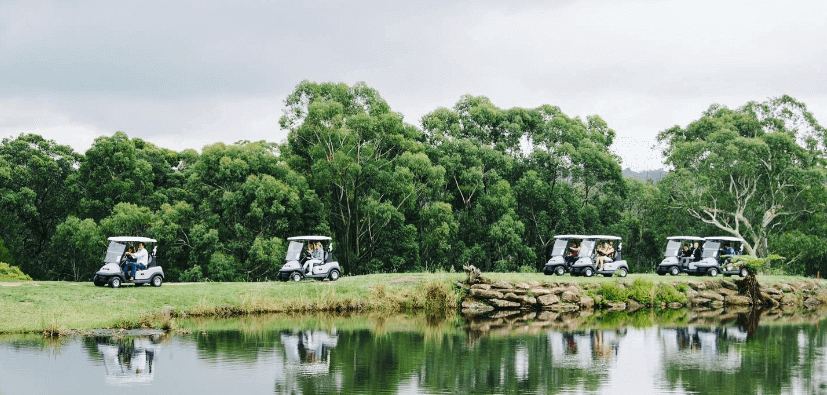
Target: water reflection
column 612, row 352
column 127, row 360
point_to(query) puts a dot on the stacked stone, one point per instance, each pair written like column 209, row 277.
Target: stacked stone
column 531, row 295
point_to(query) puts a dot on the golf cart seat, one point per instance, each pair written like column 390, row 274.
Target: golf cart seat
column 151, row 262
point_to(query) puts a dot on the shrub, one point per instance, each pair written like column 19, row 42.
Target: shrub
column 641, row 291
column 613, row 293
column 527, row 269
column 668, row 294
column 193, row 274
column 8, row 272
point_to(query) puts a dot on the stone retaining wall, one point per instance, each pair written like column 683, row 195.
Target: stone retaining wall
column 483, row 296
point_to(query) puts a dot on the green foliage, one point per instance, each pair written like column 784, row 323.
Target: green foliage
column 8, row 272
column 527, row 269
column 755, row 264
column 666, row 293
column 642, row 291
column 77, row 247
column 193, row 274
column 613, row 292
column 224, row 267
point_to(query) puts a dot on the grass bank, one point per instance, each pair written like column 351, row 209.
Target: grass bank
column 55, row 307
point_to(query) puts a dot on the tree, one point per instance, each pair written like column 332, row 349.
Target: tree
column 33, row 197
column 77, row 247
column 743, row 171
column 364, row 163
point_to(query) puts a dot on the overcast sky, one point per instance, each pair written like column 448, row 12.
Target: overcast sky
column 187, row 74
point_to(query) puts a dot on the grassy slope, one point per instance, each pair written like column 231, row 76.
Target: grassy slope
column 81, row 306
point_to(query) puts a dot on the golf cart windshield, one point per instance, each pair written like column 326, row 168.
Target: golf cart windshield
column 559, row 247
column 586, row 248
column 114, row 252
column 711, row 248
column 673, row 247
column 294, row 251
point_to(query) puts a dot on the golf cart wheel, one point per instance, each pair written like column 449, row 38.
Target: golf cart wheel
column 588, row 272
column 296, row 276
column 743, row 273
column 334, row 275
column 674, row 271
column 98, row 282
column 156, row 280
column 712, row 272
column 559, row 270
column 661, row 273
column 115, row 282
column 622, row 272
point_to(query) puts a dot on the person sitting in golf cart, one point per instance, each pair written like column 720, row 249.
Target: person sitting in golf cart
column 315, row 254
column 728, row 250
column 606, row 252
column 141, row 259
column 574, row 251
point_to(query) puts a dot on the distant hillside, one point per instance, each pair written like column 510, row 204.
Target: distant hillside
column 654, row 175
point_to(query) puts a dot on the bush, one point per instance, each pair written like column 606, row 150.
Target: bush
column 527, row 269
column 191, row 275
column 668, row 294
column 8, row 272
column 641, row 291
column 612, row 292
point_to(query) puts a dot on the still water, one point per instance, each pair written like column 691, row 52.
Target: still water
column 616, row 353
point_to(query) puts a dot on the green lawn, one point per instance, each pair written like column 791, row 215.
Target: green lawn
column 36, row 306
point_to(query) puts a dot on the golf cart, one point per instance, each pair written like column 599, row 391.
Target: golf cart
column 114, row 264
column 562, row 254
column 299, row 257
column 712, row 260
column 673, row 263
column 586, row 260
column 728, row 267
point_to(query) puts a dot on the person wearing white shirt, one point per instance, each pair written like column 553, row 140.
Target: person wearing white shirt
column 141, row 259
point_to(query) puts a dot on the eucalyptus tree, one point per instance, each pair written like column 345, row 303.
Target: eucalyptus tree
column 367, row 167
column 33, row 197
column 247, row 202
column 753, row 172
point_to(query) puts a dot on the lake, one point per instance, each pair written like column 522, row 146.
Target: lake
column 678, row 352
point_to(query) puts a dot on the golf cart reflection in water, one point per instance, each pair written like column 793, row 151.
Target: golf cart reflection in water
column 310, row 256
column 128, row 360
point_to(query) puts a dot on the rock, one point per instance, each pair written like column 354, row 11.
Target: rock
column 710, row 295
column 502, row 285
column 699, row 301
column 716, row 304
column 560, row 307
column 486, row 294
column 586, row 302
column 518, row 291
column 504, row 304
column 529, row 300
column 615, row 306
column 533, row 284
column 675, row 305
column 727, row 291
column 575, row 290
column 772, row 302
column 475, row 307
column 481, row 286
column 539, row 291
column 698, row 286
column 512, row 297
column 570, row 297
column 789, row 299
column 811, row 302
column 712, row 284
column 633, row 305
column 729, row 285
column 548, row 299
column 557, row 290
column 522, row 285
column 463, row 285
column 737, row 300
column 771, row 291
column 786, row 288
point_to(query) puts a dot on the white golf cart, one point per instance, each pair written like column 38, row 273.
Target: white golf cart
column 562, row 254
column 712, row 259
column 114, row 264
column 300, row 262
column 673, row 262
column 586, row 259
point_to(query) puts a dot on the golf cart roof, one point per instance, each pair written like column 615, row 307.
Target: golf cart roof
column 685, row 238
column 602, row 237
column 132, row 238
column 725, row 238
column 570, row 237
column 318, row 238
